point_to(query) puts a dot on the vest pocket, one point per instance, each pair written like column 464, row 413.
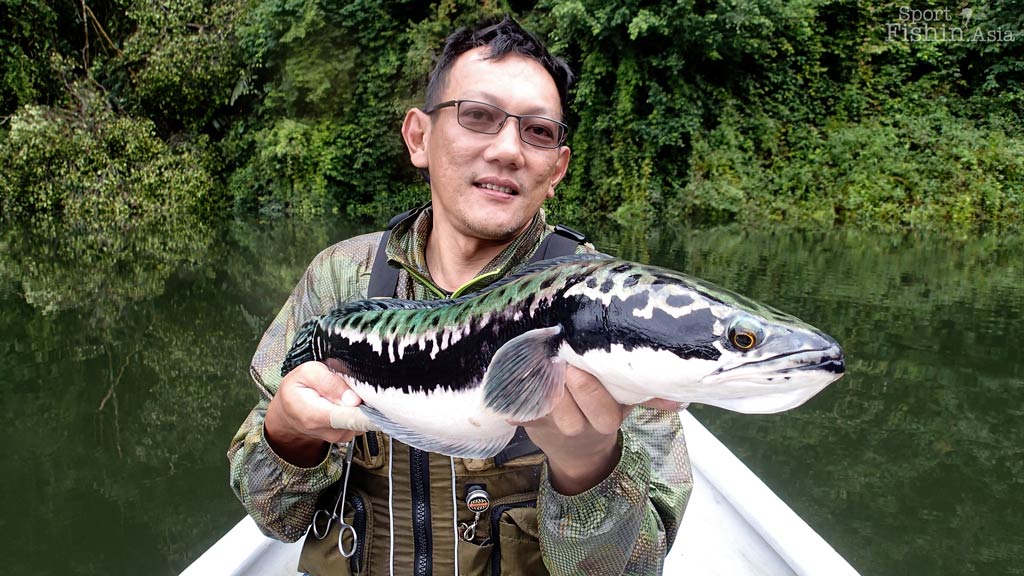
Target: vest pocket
column 512, row 546
column 516, row 539
column 322, row 557
column 371, row 451
column 474, row 559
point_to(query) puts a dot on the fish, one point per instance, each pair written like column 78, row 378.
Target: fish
column 450, row 376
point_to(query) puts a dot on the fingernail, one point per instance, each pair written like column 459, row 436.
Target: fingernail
column 350, row 398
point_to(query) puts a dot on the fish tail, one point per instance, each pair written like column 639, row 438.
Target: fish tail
column 302, row 348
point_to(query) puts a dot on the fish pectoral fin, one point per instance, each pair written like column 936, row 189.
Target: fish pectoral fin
column 526, row 378
column 479, row 447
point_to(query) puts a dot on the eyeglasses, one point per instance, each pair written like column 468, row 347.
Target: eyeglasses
column 489, row 119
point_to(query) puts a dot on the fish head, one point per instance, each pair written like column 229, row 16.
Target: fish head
column 666, row 335
column 769, row 362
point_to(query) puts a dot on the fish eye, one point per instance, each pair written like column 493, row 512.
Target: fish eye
column 745, row 333
column 742, row 339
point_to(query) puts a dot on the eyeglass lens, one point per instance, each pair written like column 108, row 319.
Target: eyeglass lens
column 488, row 119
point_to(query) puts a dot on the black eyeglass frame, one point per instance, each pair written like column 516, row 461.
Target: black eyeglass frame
column 563, row 134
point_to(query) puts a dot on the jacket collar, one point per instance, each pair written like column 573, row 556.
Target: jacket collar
column 407, row 247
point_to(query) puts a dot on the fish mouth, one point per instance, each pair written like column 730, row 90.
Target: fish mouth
column 775, row 383
column 835, row 365
column 829, row 359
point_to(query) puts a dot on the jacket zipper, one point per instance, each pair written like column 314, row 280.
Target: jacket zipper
column 419, row 473
column 359, row 523
column 371, row 444
column 419, row 464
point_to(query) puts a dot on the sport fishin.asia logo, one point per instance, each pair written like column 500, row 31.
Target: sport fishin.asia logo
column 941, row 25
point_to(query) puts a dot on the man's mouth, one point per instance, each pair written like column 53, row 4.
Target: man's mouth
column 497, row 188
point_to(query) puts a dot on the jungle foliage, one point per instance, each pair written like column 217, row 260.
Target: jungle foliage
column 806, row 112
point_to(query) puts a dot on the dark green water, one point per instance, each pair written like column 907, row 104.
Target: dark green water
column 124, row 376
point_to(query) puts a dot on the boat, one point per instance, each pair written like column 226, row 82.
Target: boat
column 734, row 525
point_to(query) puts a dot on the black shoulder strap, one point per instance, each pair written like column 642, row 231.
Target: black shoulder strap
column 383, row 276
column 520, row 445
column 562, row 242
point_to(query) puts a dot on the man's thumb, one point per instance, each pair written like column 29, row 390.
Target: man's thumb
column 348, row 418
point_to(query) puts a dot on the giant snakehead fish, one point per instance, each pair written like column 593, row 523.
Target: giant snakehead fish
column 448, row 376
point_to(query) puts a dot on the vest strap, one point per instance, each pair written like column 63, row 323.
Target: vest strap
column 383, row 276
column 562, row 242
column 520, row 445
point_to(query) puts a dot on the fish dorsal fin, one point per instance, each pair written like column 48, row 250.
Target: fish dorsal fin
column 525, row 378
column 531, row 269
column 302, row 347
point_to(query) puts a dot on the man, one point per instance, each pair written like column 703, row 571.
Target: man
column 596, row 500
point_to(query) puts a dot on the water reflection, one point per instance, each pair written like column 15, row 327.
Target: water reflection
column 911, row 464
column 125, row 377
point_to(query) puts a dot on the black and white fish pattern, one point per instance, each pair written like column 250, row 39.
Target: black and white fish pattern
column 447, row 375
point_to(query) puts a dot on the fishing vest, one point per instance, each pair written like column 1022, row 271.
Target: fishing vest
column 410, row 507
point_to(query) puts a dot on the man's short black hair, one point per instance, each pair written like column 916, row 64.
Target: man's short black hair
column 501, row 38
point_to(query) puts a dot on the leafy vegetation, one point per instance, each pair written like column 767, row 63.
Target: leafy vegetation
column 806, row 112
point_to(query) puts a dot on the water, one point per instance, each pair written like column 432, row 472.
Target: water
column 125, row 377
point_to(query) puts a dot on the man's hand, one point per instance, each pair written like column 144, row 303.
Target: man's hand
column 298, row 421
column 580, row 436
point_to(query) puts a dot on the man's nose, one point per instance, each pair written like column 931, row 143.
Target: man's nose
column 506, row 146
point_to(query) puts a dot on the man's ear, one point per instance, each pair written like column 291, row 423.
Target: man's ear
column 561, row 167
column 415, row 130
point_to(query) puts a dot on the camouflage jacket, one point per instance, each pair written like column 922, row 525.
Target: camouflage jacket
column 625, row 524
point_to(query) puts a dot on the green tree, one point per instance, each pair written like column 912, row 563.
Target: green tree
column 817, row 111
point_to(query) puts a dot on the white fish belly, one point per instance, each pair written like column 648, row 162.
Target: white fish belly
column 640, row 374
column 643, row 373
column 439, row 413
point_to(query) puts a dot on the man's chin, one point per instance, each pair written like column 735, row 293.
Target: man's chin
column 496, row 237
column 496, row 231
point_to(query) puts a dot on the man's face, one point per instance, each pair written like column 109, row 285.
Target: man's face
column 489, row 186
